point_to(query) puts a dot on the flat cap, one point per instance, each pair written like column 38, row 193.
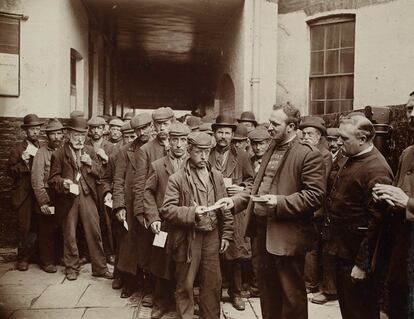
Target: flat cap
column 258, row 135
column 332, row 132
column 179, row 129
column 126, row 128
column 96, row 121
column 206, row 127
column 194, row 122
column 53, row 125
column 224, row 120
column 116, row 122
column 141, row 120
column 162, row 114
column 128, row 116
column 313, row 121
column 200, row 139
column 247, row 116
column 240, row 133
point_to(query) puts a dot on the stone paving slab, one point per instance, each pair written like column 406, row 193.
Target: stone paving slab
column 61, row 296
column 255, row 305
column 104, row 313
column 49, row 314
column 321, row 311
column 22, row 289
column 34, row 276
column 13, row 302
column 102, row 295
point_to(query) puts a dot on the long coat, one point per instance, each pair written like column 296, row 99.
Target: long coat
column 179, row 212
column 240, row 170
column 155, row 186
column 123, row 197
column 299, row 184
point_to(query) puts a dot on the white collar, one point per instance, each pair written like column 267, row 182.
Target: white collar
column 367, row 150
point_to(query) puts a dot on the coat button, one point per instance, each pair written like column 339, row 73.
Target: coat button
column 409, row 172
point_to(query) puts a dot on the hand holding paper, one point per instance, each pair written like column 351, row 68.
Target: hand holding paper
column 160, row 239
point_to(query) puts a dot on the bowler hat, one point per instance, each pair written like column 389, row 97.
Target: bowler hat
column 200, row 139
column 116, row 122
column 96, row 121
column 258, row 135
column 332, row 132
column 77, row 113
column 126, row 128
column 53, row 125
column 313, row 121
column 128, row 116
column 162, row 114
column 141, row 120
column 179, row 129
column 77, row 124
column 31, row 120
column 247, row 116
column 240, row 133
column 194, row 122
column 224, row 120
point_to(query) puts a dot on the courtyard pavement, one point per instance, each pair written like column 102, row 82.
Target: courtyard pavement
column 36, row 294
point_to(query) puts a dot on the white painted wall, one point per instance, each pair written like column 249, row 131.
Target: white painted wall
column 384, row 57
column 46, row 37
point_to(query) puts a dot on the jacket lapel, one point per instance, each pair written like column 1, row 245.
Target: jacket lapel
column 262, row 169
column 168, row 166
column 231, row 162
column 69, row 157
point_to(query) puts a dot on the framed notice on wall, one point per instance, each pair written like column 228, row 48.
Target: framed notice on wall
column 9, row 56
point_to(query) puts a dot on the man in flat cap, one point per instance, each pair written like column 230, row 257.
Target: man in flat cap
column 128, row 133
column 74, row 173
column 193, row 123
column 123, row 205
column 155, row 186
column 22, row 197
column 155, row 149
column 355, row 219
column 128, row 117
column 260, row 140
column 248, row 119
column 49, row 231
column 115, row 135
column 197, row 236
column 234, row 164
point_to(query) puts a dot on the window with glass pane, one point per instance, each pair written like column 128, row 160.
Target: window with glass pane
column 332, row 65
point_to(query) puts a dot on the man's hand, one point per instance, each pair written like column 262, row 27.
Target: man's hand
column 224, row 245
column 101, row 153
column 271, row 200
column 121, row 214
column 67, row 183
column 45, row 209
column 108, row 197
column 226, row 202
column 156, row 227
column 25, row 156
column 234, row 189
column 390, row 193
column 86, row 159
column 357, row 274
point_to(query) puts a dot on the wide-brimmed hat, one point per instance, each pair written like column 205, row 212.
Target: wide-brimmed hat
column 53, row 125
column 31, row 120
column 141, row 120
column 224, row 120
column 313, row 121
column 77, row 124
column 247, row 116
column 240, row 134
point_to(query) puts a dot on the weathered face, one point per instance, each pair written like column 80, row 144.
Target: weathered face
column 409, row 107
column 278, row 129
column 199, row 156
column 55, row 138
column 96, row 132
column 333, row 143
column 260, row 147
column 178, row 145
column 249, row 125
column 240, row 144
column 162, row 128
column 348, row 140
column 223, row 136
column 144, row 133
column 115, row 132
column 33, row 133
column 76, row 139
column 129, row 137
column 311, row 135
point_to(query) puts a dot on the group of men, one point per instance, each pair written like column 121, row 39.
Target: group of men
column 285, row 207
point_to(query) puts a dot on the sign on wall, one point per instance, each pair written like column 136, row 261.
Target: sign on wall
column 9, row 56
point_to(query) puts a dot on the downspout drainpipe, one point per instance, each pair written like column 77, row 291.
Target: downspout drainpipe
column 91, row 70
column 255, row 78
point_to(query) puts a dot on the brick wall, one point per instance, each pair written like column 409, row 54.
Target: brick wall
column 312, row 7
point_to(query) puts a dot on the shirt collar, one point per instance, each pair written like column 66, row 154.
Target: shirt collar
column 367, row 150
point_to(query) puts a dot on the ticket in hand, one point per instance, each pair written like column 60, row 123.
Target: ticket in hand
column 31, row 149
column 74, row 189
column 258, row 199
column 160, row 239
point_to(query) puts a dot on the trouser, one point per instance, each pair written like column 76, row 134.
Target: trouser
column 281, row 284
column 84, row 208
column 232, row 270
column 357, row 300
column 313, row 260
column 398, row 297
column 50, row 239
column 164, row 293
column 205, row 260
column 106, row 231
column 27, row 229
column 328, row 284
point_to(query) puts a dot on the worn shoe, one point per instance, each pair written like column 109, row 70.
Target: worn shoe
column 107, row 275
column 238, row 303
column 127, row 291
column 254, row 292
column 49, row 268
column 22, row 265
column 117, row 283
column 157, row 313
column 320, row 298
column 147, row 301
column 72, row 275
